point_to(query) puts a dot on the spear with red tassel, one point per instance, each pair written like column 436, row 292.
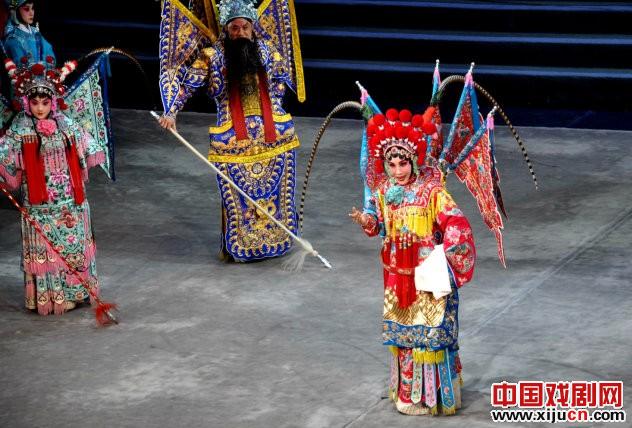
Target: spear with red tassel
column 103, row 310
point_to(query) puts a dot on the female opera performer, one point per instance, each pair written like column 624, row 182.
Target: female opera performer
column 413, row 213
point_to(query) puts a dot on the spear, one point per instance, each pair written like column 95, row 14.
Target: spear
column 103, row 310
column 296, row 261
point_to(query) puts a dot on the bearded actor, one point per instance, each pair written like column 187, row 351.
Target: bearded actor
column 253, row 141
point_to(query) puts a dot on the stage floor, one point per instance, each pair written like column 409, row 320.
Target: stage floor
column 207, row 344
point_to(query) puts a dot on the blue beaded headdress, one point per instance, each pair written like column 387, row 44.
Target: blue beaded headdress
column 233, row 9
column 14, row 4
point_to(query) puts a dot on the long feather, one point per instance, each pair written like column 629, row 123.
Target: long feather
column 340, row 107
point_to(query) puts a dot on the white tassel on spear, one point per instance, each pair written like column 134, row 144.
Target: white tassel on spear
column 296, row 260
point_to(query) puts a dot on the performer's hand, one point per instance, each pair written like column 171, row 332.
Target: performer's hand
column 167, row 122
column 359, row 217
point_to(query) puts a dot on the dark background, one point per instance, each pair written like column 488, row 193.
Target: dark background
column 561, row 63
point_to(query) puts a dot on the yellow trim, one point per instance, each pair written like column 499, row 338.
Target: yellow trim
column 448, row 411
column 278, row 118
column 428, row 357
column 296, row 49
column 383, row 208
column 263, row 6
column 394, row 350
column 417, row 220
column 195, row 20
column 254, row 158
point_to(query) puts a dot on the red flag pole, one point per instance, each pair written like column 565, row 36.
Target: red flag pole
column 103, row 310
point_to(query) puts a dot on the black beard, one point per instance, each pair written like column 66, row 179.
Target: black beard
column 241, row 58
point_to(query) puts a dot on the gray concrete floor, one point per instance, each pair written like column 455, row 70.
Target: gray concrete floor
column 204, row 344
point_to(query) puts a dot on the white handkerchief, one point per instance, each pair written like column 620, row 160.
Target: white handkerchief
column 432, row 274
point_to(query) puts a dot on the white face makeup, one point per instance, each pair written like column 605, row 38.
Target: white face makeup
column 27, row 13
column 400, row 169
column 40, row 107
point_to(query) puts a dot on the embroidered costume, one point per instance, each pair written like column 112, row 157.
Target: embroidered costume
column 49, row 159
column 412, row 219
column 22, row 40
column 254, row 141
column 415, row 219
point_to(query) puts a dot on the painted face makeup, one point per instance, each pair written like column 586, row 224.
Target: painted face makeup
column 40, row 107
column 400, row 170
column 27, row 13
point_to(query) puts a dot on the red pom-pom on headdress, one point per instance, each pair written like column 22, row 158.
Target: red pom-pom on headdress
column 414, row 136
column 417, row 121
column 398, row 134
column 405, row 116
column 370, row 129
column 50, row 59
column 38, row 69
column 378, row 119
column 389, row 132
column 429, row 128
column 401, row 132
column 392, row 115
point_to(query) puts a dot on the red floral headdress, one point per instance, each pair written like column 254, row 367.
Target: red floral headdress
column 38, row 78
column 398, row 134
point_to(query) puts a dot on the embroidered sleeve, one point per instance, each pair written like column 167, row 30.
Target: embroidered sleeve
column 47, row 50
column 276, row 68
column 216, row 80
column 10, row 161
column 374, row 226
column 280, row 75
column 15, row 49
column 196, row 76
column 458, row 241
column 91, row 153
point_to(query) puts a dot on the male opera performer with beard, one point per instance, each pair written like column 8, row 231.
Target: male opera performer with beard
column 254, row 141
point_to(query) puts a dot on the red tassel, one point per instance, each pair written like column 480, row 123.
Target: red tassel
column 75, row 172
column 237, row 112
column 266, row 108
column 405, row 288
column 34, row 166
column 103, row 313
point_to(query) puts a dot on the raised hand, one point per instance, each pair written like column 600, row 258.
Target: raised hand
column 359, row 217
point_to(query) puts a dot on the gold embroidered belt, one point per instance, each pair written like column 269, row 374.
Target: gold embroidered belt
column 257, row 157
